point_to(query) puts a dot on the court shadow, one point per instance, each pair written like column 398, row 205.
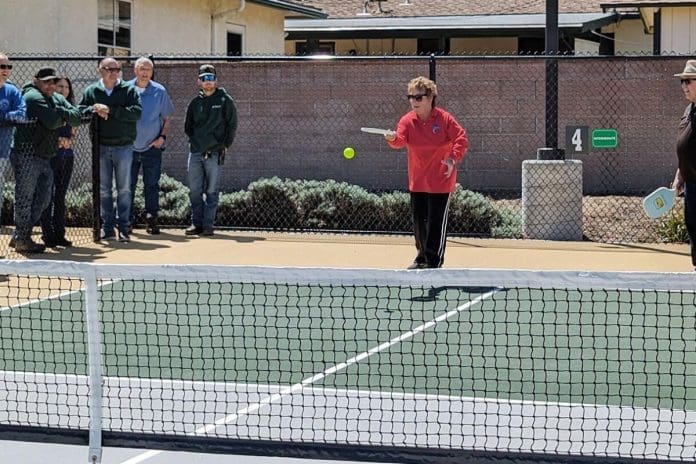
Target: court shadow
column 434, row 293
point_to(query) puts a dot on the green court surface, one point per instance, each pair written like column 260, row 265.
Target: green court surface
column 631, row 348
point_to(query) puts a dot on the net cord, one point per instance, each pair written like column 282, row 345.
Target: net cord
column 497, row 278
column 95, row 365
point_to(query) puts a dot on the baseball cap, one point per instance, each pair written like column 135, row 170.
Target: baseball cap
column 45, row 74
column 206, row 69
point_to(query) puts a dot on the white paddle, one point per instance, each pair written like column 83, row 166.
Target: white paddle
column 659, row 202
column 374, row 130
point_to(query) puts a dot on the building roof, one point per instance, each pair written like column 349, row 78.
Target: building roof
column 608, row 4
column 293, row 6
column 473, row 24
column 424, row 8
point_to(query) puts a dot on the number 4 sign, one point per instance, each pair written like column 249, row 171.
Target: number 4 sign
column 577, row 140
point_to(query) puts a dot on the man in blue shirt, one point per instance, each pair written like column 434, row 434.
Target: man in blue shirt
column 12, row 109
column 152, row 130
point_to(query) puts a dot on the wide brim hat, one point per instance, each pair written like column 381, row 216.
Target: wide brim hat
column 689, row 70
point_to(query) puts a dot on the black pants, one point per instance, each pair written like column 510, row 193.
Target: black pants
column 53, row 217
column 690, row 216
column 430, row 226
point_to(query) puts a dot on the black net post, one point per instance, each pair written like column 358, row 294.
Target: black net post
column 433, row 68
column 96, row 203
column 551, row 49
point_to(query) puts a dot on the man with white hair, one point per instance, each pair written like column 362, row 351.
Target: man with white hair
column 152, row 130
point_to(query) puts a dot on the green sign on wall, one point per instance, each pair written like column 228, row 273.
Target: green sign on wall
column 605, row 138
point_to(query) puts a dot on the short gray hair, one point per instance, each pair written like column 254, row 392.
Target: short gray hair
column 143, row 59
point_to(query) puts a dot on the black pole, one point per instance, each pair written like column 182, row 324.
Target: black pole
column 433, row 70
column 551, row 51
column 96, row 203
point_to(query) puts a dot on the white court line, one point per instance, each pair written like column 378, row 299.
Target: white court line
column 332, row 370
column 60, row 295
column 40, row 300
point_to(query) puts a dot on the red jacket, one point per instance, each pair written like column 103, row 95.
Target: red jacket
column 428, row 144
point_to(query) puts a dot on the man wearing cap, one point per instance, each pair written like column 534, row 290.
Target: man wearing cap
column 152, row 129
column 34, row 145
column 118, row 107
column 12, row 110
column 211, row 124
column 685, row 177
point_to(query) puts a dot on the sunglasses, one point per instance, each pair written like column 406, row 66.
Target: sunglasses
column 5, row 66
column 111, row 70
column 687, row 81
column 418, row 97
column 207, row 78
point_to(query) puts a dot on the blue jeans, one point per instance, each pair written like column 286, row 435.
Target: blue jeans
column 203, row 176
column 33, row 187
column 151, row 161
column 118, row 161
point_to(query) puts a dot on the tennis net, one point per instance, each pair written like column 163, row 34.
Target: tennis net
column 373, row 365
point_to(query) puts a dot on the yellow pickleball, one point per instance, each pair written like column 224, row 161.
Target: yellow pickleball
column 348, row 153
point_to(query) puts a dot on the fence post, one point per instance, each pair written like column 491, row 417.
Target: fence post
column 96, row 179
column 433, row 66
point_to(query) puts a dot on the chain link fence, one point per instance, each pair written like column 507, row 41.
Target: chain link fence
column 285, row 170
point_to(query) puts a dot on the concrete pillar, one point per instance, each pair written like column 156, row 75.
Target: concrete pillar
column 552, row 199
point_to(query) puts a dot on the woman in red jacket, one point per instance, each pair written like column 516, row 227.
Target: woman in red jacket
column 435, row 142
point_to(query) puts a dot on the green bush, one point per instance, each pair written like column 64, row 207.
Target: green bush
column 302, row 204
column 78, row 206
column 672, row 228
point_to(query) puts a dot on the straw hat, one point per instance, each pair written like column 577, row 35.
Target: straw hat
column 689, row 70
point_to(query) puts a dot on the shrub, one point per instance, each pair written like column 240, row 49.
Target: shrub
column 78, row 206
column 672, row 228
column 303, row 204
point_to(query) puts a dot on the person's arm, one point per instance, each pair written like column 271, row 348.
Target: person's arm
column 18, row 113
column 230, row 121
column 162, row 137
column 166, row 110
column 70, row 114
column 188, row 122
column 398, row 139
column 678, row 182
column 460, row 140
column 132, row 108
column 460, row 144
column 49, row 116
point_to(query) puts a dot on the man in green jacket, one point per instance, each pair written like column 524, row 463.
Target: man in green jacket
column 117, row 105
column 211, row 124
column 33, row 147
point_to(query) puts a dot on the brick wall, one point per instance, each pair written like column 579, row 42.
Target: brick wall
column 296, row 117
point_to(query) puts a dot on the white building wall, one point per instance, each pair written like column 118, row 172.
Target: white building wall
column 630, row 38
column 48, row 26
column 172, row 27
column 678, row 32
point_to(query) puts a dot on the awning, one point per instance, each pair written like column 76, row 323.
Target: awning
column 489, row 25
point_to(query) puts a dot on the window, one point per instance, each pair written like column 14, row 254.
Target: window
column 114, row 27
column 234, row 44
column 438, row 46
column 315, row 47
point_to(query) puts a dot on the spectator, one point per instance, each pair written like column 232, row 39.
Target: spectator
column 34, row 146
column 117, row 105
column 211, row 124
column 12, row 109
column 53, row 217
column 152, row 130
